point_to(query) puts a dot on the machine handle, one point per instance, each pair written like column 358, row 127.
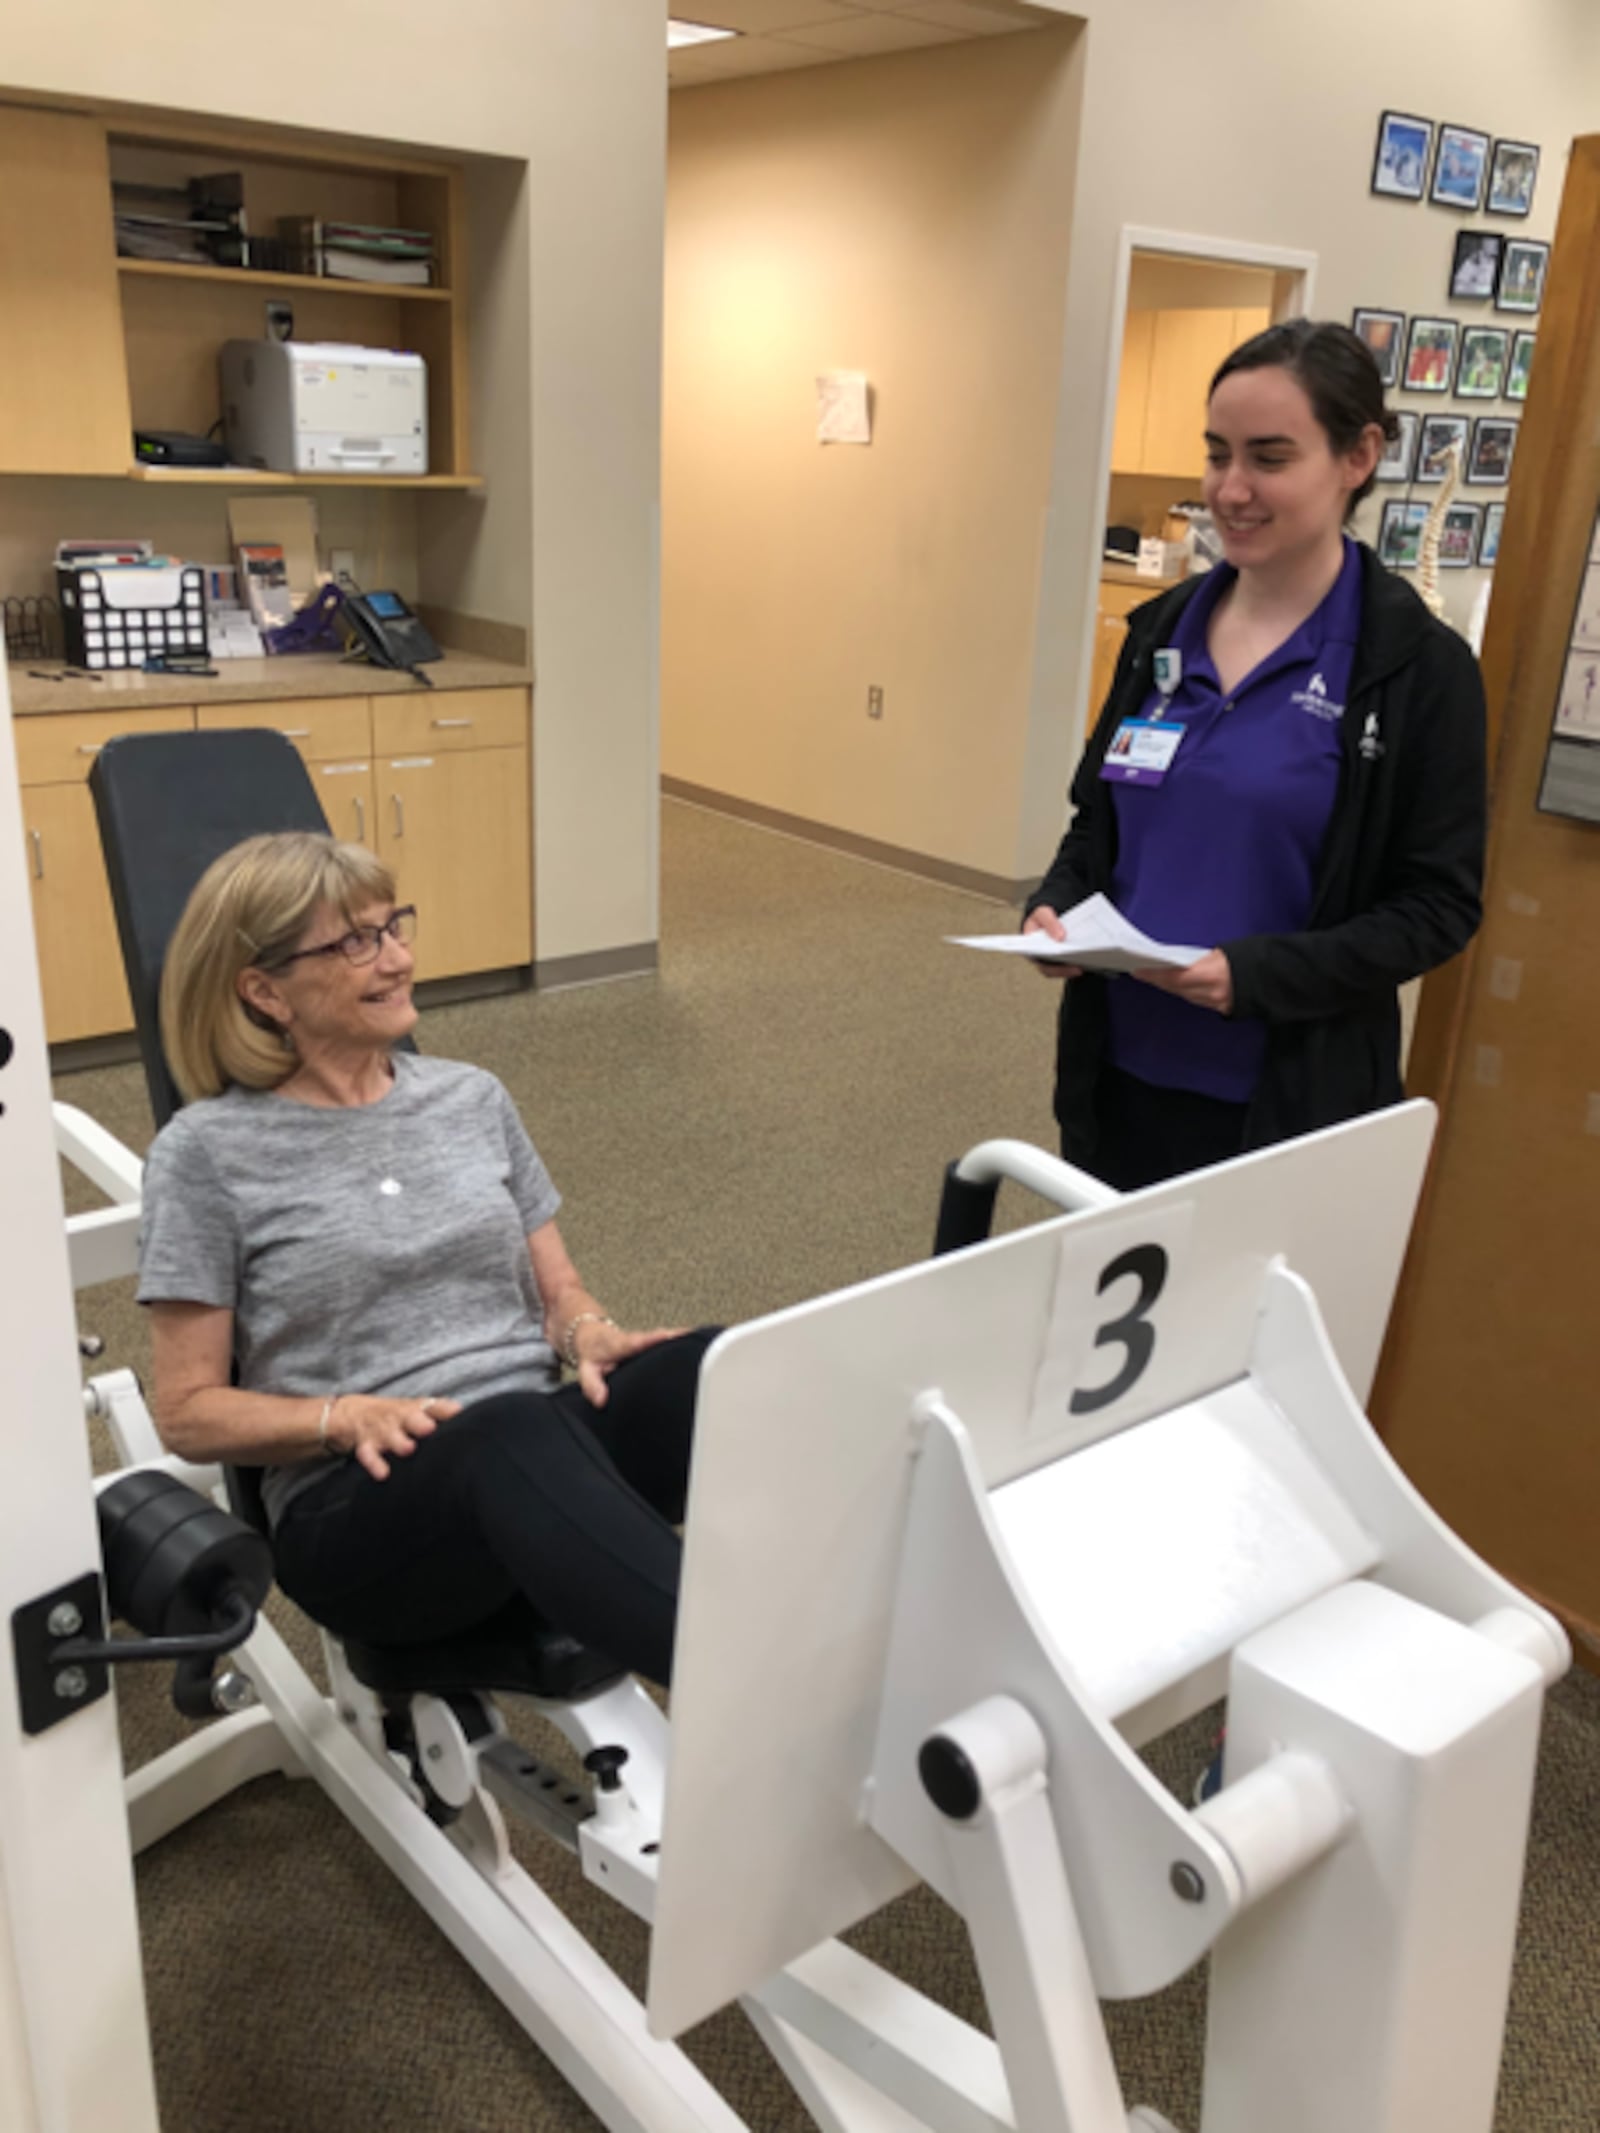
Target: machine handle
column 89, row 747
column 37, row 841
column 295, row 733
column 450, row 722
column 399, row 815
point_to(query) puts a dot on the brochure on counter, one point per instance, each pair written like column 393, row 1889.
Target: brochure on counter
column 1098, row 938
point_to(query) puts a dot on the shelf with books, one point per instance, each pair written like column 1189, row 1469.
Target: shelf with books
column 253, row 277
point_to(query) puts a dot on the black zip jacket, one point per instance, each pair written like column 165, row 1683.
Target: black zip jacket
column 1398, row 881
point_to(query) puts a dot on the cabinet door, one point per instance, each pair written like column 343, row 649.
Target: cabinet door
column 349, row 797
column 455, row 828
column 64, row 407
column 80, row 959
column 1133, row 393
column 1188, row 347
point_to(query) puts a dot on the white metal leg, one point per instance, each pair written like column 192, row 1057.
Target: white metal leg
column 186, row 1780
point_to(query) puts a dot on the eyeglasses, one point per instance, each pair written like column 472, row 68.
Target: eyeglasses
column 362, row 944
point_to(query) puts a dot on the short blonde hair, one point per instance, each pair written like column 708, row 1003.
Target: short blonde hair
column 249, row 907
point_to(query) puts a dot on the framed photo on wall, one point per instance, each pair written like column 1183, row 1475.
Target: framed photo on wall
column 1458, row 543
column 1400, row 534
column 1512, row 170
column 1520, row 366
column 1431, row 354
column 1494, row 516
column 1384, row 333
column 1400, row 166
column 1401, row 456
column 1439, row 434
column 1460, row 168
column 1494, row 443
column 1476, row 266
column 1481, row 368
column 1522, row 272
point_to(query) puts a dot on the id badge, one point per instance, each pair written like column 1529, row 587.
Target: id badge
column 1141, row 751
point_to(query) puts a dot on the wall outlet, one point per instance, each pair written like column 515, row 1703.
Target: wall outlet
column 280, row 321
column 342, row 563
column 874, row 702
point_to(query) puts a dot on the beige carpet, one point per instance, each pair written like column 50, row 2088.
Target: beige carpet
column 766, row 1120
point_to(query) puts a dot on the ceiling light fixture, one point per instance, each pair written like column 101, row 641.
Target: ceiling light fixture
column 681, row 33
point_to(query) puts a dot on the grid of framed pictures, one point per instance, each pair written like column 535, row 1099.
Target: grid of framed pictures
column 1494, row 444
column 1453, row 166
column 1441, row 435
column 1481, row 365
column 1522, row 272
column 1430, row 355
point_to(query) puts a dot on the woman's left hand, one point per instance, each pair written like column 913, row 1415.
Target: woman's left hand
column 1208, row 983
column 600, row 1347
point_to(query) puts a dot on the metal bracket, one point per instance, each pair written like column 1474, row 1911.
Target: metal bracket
column 51, row 1688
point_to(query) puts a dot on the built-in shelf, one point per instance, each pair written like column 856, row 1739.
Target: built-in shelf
column 256, row 478
column 257, row 278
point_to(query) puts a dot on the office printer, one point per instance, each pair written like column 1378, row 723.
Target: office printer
column 303, row 407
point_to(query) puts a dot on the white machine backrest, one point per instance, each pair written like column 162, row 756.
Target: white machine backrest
column 1044, row 1344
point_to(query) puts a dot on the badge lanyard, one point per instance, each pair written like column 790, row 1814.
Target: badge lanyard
column 1142, row 749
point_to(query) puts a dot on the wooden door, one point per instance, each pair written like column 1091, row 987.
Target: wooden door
column 455, row 827
column 64, row 407
column 80, row 959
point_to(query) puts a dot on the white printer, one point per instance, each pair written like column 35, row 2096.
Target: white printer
column 304, row 407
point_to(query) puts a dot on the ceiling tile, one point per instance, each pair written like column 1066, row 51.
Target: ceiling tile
column 972, row 20
column 872, row 33
column 762, row 17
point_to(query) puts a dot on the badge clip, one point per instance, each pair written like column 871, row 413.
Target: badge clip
column 1169, row 671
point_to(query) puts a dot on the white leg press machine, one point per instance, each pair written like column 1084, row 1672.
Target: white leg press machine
column 959, row 1541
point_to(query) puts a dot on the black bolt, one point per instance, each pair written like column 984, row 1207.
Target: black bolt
column 948, row 1778
column 604, row 1765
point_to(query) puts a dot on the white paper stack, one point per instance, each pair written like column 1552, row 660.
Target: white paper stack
column 1098, row 938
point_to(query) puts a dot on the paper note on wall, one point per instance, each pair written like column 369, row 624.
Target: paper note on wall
column 843, row 415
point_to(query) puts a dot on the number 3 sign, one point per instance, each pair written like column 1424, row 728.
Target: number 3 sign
column 1110, row 1320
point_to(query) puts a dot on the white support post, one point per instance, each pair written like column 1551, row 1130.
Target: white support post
column 74, row 2048
column 1369, row 1990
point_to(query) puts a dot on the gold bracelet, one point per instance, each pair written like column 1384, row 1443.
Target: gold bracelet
column 569, row 1340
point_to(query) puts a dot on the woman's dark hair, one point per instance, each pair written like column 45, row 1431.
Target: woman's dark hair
column 1338, row 373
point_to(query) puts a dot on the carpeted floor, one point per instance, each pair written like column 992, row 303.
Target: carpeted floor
column 766, row 1120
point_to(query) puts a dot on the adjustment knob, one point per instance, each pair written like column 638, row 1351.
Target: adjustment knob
column 604, row 1765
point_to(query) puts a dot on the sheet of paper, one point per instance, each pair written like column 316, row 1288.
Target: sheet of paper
column 843, row 415
column 1098, row 938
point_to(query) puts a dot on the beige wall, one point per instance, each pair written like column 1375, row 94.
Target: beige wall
column 1267, row 116
column 908, row 217
column 568, row 365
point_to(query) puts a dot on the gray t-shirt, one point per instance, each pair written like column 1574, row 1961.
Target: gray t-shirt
column 378, row 1249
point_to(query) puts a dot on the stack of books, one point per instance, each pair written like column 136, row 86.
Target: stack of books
column 201, row 223
column 360, row 251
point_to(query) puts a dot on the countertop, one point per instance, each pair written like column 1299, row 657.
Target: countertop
column 1125, row 574
column 252, row 681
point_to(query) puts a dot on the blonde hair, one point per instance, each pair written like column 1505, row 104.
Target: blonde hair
column 249, row 907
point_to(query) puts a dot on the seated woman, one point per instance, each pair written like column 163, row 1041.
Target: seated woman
column 369, row 1236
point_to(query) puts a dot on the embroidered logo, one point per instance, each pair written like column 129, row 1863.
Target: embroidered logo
column 1315, row 699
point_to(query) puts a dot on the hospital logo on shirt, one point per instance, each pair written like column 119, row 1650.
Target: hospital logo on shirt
column 1314, row 698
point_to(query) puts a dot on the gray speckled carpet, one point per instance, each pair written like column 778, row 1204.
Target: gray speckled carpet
column 766, row 1120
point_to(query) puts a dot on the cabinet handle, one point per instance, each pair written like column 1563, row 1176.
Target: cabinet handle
column 399, row 814
column 37, row 841
column 361, row 819
column 295, row 733
column 89, row 747
column 442, row 722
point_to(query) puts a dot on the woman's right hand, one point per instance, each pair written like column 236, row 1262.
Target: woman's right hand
column 1044, row 920
column 375, row 1430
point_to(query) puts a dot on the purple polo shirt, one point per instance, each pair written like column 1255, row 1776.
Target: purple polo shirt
column 1227, row 843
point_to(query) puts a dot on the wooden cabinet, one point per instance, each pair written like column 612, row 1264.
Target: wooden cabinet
column 1168, row 361
column 64, row 402
column 437, row 783
column 453, row 812
column 1116, row 602
column 80, row 959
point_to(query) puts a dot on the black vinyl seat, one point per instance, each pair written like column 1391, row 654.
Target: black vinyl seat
column 168, row 804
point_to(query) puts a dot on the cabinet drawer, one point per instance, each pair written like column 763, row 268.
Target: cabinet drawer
column 59, row 749
column 1117, row 597
column 449, row 718
column 325, row 729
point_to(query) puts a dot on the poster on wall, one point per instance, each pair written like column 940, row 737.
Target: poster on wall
column 1571, row 783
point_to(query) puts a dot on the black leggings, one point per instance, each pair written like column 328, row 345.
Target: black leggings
column 535, row 1493
column 1146, row 1134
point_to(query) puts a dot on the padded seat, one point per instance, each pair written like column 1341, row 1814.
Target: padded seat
column 515, row 1653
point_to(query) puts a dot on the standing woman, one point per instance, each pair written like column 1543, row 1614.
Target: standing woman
column 1319, row 822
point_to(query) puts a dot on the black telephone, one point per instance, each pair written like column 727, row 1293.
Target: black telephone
column 383, row 629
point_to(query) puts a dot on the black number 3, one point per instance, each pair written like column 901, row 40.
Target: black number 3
column 1148, row 1262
